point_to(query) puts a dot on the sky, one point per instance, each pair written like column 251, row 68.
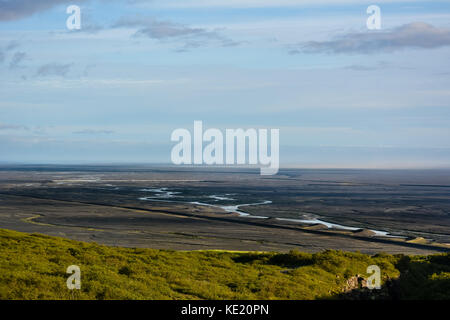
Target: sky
column 342, row 95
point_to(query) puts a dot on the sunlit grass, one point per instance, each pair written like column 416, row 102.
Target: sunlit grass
column 33, row 266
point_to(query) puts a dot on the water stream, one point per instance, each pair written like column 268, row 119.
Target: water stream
column 164, row 195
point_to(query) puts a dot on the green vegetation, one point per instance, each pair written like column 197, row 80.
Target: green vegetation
column 33, row 266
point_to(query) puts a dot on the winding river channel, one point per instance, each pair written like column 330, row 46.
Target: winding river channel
column 165, row 195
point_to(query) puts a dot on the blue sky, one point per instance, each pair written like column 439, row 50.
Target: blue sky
column 341, row 95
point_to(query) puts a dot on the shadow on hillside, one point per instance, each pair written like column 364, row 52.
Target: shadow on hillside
column 286, row 260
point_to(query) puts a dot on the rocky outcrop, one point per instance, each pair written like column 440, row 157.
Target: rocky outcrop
column 356, row 289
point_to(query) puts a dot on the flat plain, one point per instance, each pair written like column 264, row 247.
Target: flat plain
column 195, row 209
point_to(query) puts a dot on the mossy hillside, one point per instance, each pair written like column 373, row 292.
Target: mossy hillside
column 33, row 266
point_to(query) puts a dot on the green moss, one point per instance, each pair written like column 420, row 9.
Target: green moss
column 33, row 266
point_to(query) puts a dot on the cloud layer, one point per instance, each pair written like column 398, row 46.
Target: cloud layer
column 4, row 126
column 53, row 69
column 4, row 50
column 17, row 59
column 412, row 35
column 192, row 37
column 18, row 9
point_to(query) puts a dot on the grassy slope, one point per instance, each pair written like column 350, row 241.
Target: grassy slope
column 33, row 266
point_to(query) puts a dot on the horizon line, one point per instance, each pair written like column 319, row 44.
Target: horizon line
column 255, row 167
